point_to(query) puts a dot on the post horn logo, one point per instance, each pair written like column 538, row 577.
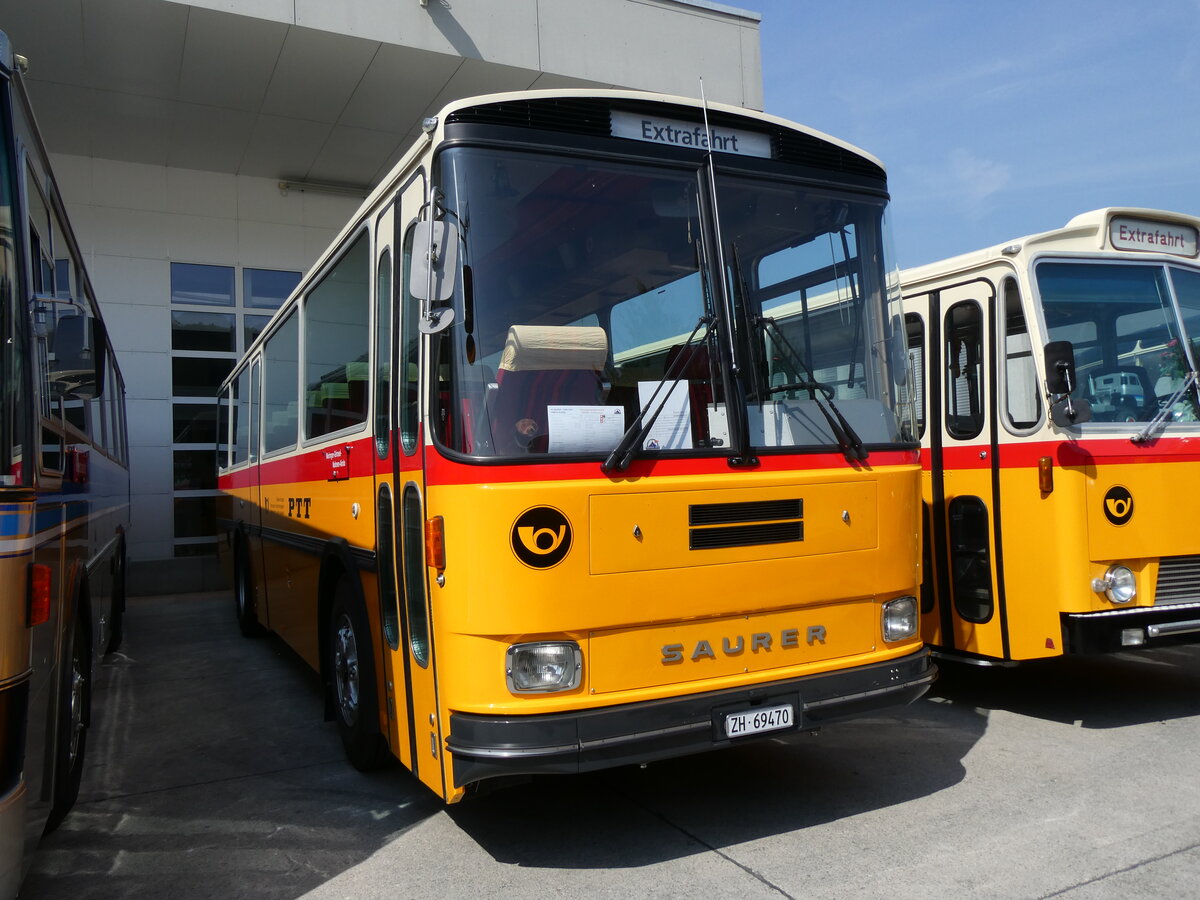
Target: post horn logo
column 541, row 537
column 1118, row 505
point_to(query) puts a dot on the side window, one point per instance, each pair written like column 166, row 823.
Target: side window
column 964, row 370
column 281, row 373
column 383, row 349
column 337, row 344
column 255, row 390
column 241, row 418
column 409, row 360
column 970, row 559
column 1022, row 399
column 914, row 327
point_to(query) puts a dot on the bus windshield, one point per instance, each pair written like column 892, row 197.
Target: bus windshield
column 586, row 286
column 1134, row 329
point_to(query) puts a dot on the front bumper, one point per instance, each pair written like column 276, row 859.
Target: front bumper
column 493, row 746
column 1160, row 626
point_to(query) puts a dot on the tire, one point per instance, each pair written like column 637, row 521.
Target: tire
column 351, row 668
column 74, row 716
column 243, row 595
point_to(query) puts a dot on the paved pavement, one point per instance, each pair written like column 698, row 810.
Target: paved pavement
column 212, row 775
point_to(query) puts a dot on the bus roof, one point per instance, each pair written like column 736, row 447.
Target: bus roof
column 388, row 184
column 1092, row 231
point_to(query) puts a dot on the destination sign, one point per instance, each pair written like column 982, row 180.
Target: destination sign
column 1162, row 237
column 674, row 133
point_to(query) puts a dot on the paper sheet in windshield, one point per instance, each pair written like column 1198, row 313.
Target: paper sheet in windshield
column 584, row 429
column 672, row 429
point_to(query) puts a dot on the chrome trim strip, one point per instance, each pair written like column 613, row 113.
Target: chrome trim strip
column 848, row 698
column 1173, row 628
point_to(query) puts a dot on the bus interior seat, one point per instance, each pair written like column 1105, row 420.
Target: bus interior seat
column 545, row 365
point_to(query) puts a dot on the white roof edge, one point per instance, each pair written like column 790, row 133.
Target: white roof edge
column 1093, row 220
column 722, row 8
column 660, row 98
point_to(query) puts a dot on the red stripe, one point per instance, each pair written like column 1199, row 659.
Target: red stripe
column 312, row 465
column 1109, row 452
column 442, row 471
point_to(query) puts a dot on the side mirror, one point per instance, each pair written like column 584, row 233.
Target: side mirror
column 1060, row 367
column 434, row 261
column 79, row 348
column 1060, row 383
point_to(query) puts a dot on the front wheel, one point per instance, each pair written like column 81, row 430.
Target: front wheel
column 351, row 670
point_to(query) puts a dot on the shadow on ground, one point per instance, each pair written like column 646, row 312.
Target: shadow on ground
column 1101, row 691
column 210, row 772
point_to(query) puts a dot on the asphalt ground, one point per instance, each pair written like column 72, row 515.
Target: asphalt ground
column 211, row 775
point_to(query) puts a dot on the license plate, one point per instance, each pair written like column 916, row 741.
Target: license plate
column 756, row 721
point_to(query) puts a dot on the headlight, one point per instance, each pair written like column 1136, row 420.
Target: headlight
column 899, row 619
column 543, row 666
column 1118, row 584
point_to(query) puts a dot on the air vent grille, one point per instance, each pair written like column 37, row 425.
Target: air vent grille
column 1178, row 580
column 746, row 535
column 716, row 525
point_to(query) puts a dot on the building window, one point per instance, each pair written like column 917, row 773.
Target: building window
column 267, row 288
column 205, row 345
column 203, row 331
column 201, row 285
column 195, row 423
column 191, row 377
column 252, row 327
column 195, row 470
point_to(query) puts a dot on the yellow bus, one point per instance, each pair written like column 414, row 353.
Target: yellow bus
column 1060, row 421
column 531, row 471
column 64, row 491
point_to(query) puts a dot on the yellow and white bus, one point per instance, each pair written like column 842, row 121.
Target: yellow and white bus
column 534, row 474
column 64, row 491
column 1060, row 426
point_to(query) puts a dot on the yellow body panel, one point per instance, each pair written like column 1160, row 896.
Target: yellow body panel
column 624, row 659
column 622, row 619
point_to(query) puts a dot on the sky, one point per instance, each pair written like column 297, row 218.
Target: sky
column 996, row 120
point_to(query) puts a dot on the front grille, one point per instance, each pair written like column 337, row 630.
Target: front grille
column 1178, row 580
column 761, row 511
column 716, row 525
column 746, row 535
column 569, row 114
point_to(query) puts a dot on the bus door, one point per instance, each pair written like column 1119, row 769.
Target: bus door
column 410, row 663
column 964, row 470
column 254, row 501
column 394, row 686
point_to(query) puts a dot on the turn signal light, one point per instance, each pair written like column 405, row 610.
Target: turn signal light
column 435, row 543
column 1046, row 474
column 39, row 595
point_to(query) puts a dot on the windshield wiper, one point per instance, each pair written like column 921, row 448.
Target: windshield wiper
column 622, row 454
column 1165, row 410
column 848, row 440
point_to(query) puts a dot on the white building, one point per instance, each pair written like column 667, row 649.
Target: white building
column 209, row 150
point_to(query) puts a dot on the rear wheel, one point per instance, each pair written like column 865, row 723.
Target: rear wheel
column 351, row 668
column 243, row 595
column 74, row 715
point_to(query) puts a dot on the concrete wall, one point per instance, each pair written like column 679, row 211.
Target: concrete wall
column 658, row 45
column 132, row 221
column 171, row 122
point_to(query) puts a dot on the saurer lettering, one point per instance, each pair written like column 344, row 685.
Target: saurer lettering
column 758, row 642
